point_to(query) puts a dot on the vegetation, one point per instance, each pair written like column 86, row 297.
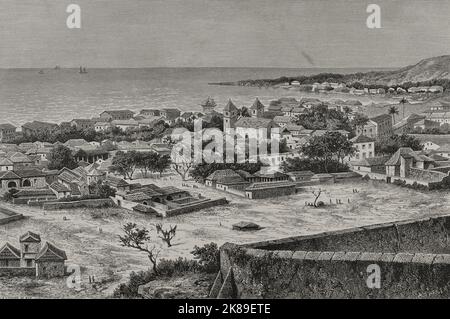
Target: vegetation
column 201, row 171
column 127, row 163
column 9, row 195
column 166, row 234
column 321, row 118
column 61, row 156
column 101, row 190
column 328, row 147
column 206, row 260
column 391, row 144
column 138, row 238
column 315, row 166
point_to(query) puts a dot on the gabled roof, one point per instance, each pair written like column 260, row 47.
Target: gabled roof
column 8, row 251
column 26, row 173
column 381, row 118
column 269, row 185
column 8, row 175
column 59, row 188
column 51, row 253
column 38, row 125
column 362, row 139
column 168, row 190
column 221, row 173
column 115, row 181
column 118, row 112
column 230, row 107
column 406, row 152
column 257, row 105
column 137, row 196
column 5, row 162
column 7, row 126
column 371, row 161
column 30, row 237
column 17, row 157
column 253, row 122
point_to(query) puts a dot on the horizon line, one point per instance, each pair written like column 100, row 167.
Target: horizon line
column 197, row 67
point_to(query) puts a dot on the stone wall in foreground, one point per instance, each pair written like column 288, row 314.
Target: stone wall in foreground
column 412, row 257
column 427, row 235
column 311, row 274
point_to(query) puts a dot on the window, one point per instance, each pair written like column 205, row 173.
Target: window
column 25, row 247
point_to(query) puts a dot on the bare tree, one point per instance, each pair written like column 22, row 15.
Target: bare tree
column 138, row 238
column 317, row 194
column 166, row 235
column 182, row 166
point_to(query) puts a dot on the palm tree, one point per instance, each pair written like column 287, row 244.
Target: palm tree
column 402, row 102
column 392, row 111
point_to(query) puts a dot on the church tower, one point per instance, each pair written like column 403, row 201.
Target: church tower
column 208, row 105
column 230, row 115
column 257, row 109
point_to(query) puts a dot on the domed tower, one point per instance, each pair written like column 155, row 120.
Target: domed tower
column 208, row 105
column 230, row 115
column 257, row 109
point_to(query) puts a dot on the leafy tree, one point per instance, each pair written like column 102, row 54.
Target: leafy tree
column 102, row 190
column 391, row 144
column 328, row 146
column 320, row 117
column 61, row 156
column 162, row 163
column 208, row 257
column 124, row 164
column 313, row 165
column 138, row 238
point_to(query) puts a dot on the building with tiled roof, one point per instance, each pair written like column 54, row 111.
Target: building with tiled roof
column 112, row 115
column 7, row 133
column 257, row 109
column 263, row 190
column 37, row 127
column 377, row 127
column 47, row 261
column 208, row 105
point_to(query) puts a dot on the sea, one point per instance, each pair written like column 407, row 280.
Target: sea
column 57, row 95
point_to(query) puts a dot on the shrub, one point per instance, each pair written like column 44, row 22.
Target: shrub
column 180, row 266
column 130, row 289
column 208, row 257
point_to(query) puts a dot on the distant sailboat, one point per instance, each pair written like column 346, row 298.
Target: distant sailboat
column 82, row 70
column 57, row 67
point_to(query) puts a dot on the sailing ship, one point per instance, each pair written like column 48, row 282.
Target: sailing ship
column 82, row 70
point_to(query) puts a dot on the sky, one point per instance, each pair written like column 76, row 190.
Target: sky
column 222, row 33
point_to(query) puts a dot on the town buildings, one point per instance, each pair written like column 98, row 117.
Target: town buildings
column 364, row 147
column 7, row 133
column 378, row 127
column 38, row 127
column 112, row 115
column 32, row 259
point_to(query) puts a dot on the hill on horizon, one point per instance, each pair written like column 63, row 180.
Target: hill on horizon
column 434, row 68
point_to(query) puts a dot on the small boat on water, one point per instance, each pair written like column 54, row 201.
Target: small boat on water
column 41, row 72
column 82, row 70
column 57, row 67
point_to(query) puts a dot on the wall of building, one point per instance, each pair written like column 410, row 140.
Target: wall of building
column 270, row 192
column 50, row 269
column 90, row 203
column 196, row 206
column 10, row 216
column 18, row 271
column 426, row 175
